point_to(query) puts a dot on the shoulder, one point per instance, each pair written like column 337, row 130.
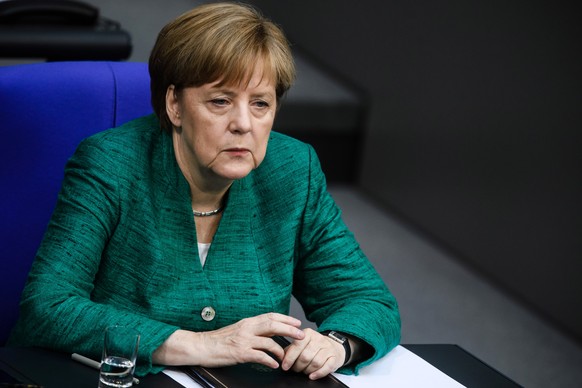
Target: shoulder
column 125, row 145
column 129, row 135
column 287, row 154
column 283, row 144
column 289, row 169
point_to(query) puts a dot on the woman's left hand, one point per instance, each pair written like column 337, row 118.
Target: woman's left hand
column 316, row 355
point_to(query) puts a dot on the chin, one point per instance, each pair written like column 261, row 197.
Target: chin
column 234, row 174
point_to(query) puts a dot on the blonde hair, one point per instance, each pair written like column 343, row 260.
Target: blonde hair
column 217, row 42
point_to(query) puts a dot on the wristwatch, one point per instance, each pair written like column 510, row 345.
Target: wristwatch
column 341, row 339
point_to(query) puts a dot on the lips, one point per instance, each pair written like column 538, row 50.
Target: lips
column 237, row 151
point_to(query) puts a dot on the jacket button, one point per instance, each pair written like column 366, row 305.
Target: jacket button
column 208, row 313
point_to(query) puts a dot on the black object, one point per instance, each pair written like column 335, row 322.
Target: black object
column 462, row 366
column 40, row 366
column 34, row 366
column 257, row 375
column 47, row 12
column 59, row 30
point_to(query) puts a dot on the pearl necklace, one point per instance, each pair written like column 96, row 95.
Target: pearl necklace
column 207, row 214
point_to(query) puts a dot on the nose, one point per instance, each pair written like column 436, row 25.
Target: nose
column 241, row 120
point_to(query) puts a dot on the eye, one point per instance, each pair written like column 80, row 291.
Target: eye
column 219, row 101
column 261, row 104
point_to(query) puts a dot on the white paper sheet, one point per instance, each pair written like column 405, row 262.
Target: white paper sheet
column 399, row 368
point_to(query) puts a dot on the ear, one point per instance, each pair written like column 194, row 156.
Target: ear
column 173, row 106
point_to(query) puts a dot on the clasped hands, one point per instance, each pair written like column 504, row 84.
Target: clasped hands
column 250, row 340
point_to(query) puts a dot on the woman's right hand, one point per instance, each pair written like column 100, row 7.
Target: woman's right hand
column 247, row 340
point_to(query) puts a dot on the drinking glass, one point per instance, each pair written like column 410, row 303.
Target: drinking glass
column 119, row 355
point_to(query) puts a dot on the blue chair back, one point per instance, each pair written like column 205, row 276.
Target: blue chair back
column 46, row 109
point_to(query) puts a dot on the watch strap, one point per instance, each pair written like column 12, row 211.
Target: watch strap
column 342, row 340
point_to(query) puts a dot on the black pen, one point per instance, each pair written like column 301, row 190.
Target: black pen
column 197, row 376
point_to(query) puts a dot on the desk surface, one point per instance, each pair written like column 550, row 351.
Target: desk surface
column 462, row 366
column 38, row 366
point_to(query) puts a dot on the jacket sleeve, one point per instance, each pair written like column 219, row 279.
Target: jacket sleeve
column 335, row 283
column 57, row 310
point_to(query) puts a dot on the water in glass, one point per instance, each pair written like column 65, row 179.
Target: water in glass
column 116, row 372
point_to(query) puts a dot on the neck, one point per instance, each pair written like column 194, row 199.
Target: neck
column 205, row 202
column 207, row 190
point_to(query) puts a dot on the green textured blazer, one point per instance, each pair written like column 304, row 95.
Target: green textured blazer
column 121, row 249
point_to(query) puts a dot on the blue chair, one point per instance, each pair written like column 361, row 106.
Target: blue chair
column 46, row 109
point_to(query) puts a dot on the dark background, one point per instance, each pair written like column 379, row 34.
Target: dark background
column 472, row 133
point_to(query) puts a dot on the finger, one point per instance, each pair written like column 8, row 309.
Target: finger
column 272, row 325
column 319, row 360
column 270, row 317
column 306, row 358
column 329, row 366
column 272, row 347
column 287, row 319
column 260, row 357
column 292, row 353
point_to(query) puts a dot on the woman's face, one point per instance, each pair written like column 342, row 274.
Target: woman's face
column 222, row 131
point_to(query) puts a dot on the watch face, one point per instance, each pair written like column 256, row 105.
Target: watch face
column 337, row 337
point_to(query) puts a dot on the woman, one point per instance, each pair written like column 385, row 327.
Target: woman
column 196, row 224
